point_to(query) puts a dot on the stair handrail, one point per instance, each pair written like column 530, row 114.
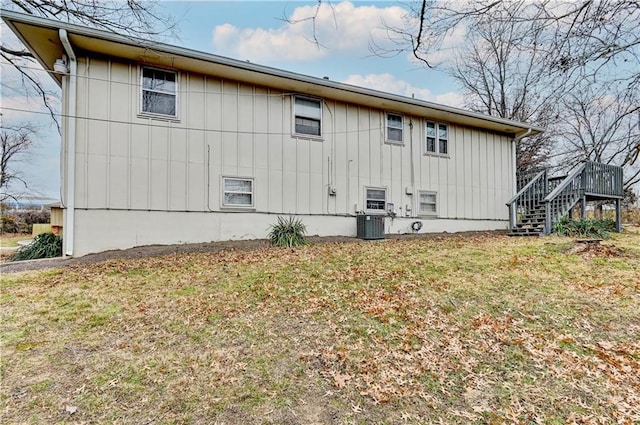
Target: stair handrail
column 555, row 194
column 527, row 186
column 513, row 210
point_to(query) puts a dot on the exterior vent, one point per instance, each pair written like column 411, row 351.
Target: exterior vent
column 370, row 226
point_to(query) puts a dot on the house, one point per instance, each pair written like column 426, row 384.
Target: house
column 164, row 145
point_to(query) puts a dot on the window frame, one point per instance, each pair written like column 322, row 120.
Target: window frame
column 174, row 93
column 423, row 213
column 387, row 127
column 367, row 198
column 223, row 192
column 436, row 138
column 296, row 115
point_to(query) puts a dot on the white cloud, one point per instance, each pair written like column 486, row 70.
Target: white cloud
column 388, row 83
column 341, row 27
column 451, row 99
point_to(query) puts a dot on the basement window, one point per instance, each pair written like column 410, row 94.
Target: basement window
column 375, row 199
column 159, row 92
column 427, row 203
column 307, row 116
column 237, row 192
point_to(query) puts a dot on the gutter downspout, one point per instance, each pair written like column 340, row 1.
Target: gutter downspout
column 71, row 144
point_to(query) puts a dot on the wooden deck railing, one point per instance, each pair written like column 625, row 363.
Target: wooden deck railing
column 525, row 176
column 559, row 194
column 602, row 180
column 563, row 198
column 530, row 195
column 553, row 183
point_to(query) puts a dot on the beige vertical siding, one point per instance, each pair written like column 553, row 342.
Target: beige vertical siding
column 129, row 161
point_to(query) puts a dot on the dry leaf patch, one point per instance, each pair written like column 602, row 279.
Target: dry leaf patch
column 441, row 330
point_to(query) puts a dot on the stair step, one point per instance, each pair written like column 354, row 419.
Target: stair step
column 532, row 222
column 524, row 233
column 528, row 229
column 527, row 232
column 530, row 218
column 528, row 223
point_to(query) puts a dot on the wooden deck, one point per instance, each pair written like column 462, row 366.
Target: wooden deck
column 542, row 200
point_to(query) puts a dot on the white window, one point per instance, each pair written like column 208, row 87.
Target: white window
column 307, row 116
column 237, row 192
column 428, row 203
column 159, row 90
column 375, row 199
column 437, row 138
column 394, row 128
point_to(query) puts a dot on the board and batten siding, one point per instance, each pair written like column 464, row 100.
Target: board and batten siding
column 128, row 161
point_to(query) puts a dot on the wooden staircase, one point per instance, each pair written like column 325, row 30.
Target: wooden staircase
column 530, row 223
column 542, row 201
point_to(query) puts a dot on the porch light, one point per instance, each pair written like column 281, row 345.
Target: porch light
column 60, row 67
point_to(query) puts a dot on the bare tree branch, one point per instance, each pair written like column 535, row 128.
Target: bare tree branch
column 15, row 142
column 133, row 17
column 17, row 53
column 313, row 19
column 601, row 124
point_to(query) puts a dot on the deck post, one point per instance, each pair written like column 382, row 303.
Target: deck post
column 512, row 215
column 583, row 207
column 547, row 218
column 618, row 216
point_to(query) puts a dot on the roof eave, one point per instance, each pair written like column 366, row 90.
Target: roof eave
column 116, row 45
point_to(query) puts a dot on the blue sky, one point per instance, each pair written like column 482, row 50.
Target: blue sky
column 256, row 31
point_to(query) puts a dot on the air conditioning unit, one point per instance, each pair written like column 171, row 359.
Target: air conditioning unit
column 370, row 226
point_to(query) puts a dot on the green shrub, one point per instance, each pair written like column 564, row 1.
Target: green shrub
column 288, row 232
column 23, row 221
column 32, row 217
column 9, row 224
column 597, row 229
column 46, row 245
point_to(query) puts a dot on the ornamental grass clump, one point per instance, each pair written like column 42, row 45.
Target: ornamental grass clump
column 45, row 245
column 288, row 232
column 599, row 229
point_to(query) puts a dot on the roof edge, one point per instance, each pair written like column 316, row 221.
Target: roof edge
column 10, row 17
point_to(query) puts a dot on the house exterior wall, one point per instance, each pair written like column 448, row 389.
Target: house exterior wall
column 155, row 180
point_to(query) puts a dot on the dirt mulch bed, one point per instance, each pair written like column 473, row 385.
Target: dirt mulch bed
column 160, row 250
column 590, row 248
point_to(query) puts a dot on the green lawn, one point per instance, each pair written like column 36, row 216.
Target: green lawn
column 11, row 240
column 476, row 329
